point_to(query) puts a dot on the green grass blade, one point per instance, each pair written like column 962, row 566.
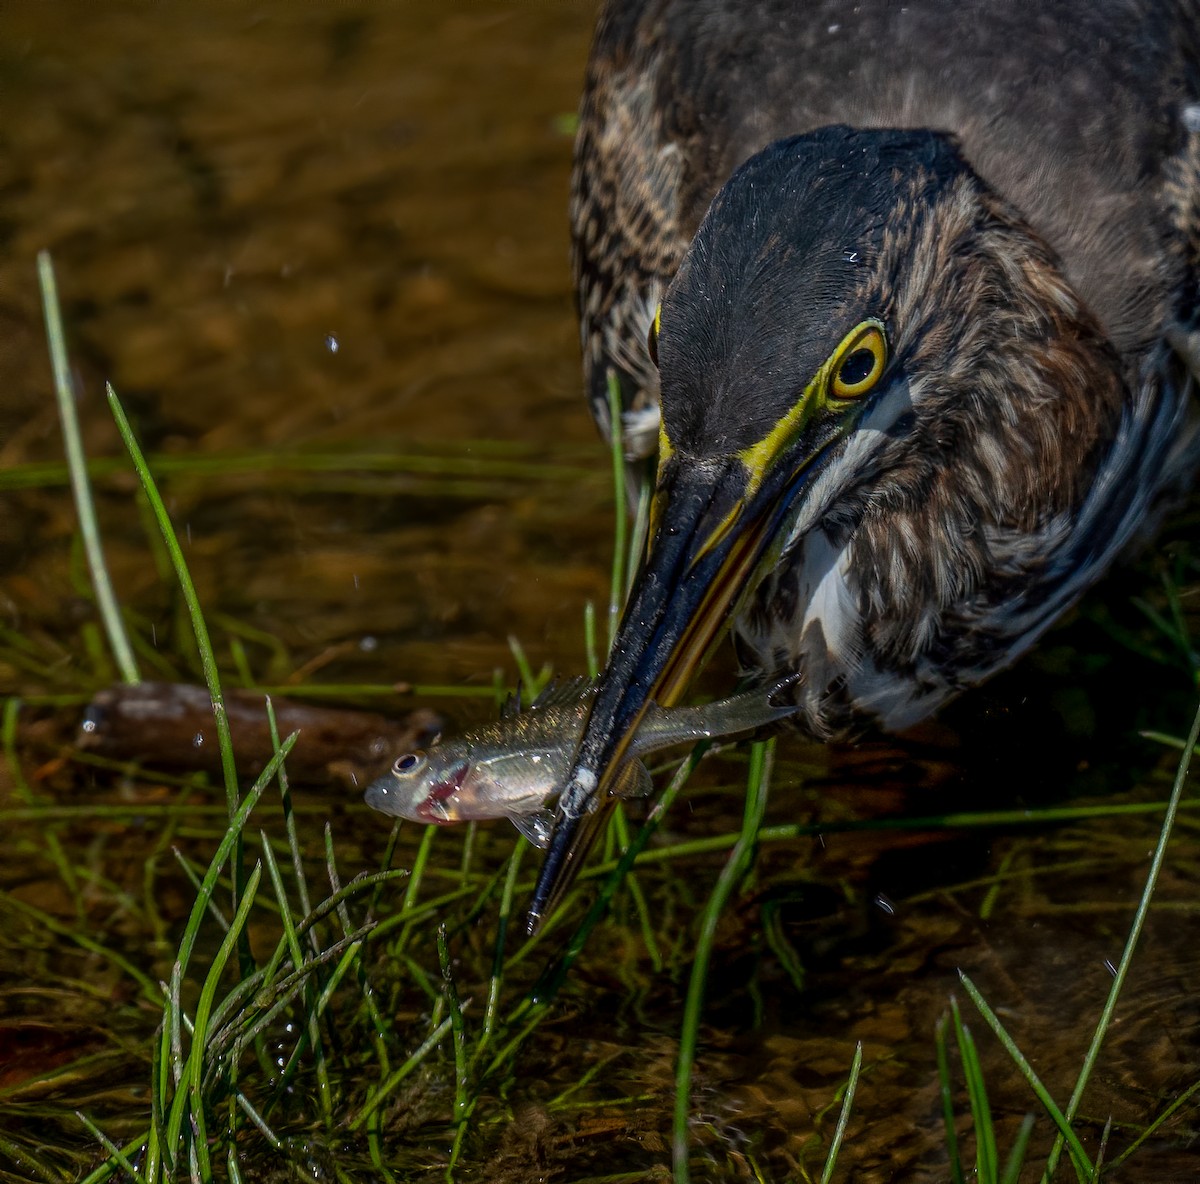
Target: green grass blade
column 267, row 1133
column 589, row 639
column 208, row 659
column 947, row 1096
column 1104, row 1137
column 149, row 988
column 189, row 1096
column 375, row 1149
column 620, row 828
column 1177, row 1104
column 1079, row 1157
column 158, row 1074
column 526, row 679
column 457, row 1028
column 85, row 507
column 787, row 832
column 199, row 627
column 193, row 877
column 1135, row 930
column 229, row 839
column 289, row 821
column 387, row 1087
column 447, row 460
column 986, row 1158
column 736, row 866
column 497, row 977
column 110, row 1166
column 114, row 1152
column 172, row 1037
column 413, row 888
column 33, row 1168
column 379, row 1026
column 785, row 953
column 283, row 995
column 843, row 1116
column 196, row 1058
column 1016, row 1157
column 8, row 730
column 293, row 947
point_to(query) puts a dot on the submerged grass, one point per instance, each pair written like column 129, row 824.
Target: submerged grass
column 106, row 599
column 286, row 1029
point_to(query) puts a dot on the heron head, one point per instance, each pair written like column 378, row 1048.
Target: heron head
column 858, row 316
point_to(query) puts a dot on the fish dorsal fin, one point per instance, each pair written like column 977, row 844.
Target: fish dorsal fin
column 511, row 705
column 536, row 827
column 562, row 694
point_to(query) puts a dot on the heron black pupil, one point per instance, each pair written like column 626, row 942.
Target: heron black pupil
column 857, row 367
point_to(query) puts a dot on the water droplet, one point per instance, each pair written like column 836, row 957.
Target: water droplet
column 368, row 644
column 198, row 740
column 882, row 902
column 88, row 725
column 332, row 344
column 355, row 579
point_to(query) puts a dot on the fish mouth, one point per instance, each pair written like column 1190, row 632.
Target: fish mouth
column 713, row 524
column 434, row 807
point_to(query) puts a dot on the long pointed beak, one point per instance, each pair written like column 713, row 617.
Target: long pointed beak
column 709, row 538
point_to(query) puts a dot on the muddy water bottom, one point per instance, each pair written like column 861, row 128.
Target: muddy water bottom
column 321, row 255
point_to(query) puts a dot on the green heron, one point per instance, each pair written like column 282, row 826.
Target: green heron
column 904, row 298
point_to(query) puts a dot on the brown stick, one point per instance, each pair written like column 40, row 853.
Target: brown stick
column 170, row 725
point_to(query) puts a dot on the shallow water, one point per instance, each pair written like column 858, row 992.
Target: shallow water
column 293, row 234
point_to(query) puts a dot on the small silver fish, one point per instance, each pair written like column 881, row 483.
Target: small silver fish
column 509, row 768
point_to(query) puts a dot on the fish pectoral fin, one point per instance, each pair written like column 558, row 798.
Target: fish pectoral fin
column 634, row 781
column 536, row 827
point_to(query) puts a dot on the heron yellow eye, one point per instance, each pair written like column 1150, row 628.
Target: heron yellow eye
column 859, row 361
column 652, row 335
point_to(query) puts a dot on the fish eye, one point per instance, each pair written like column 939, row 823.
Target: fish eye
column 410, row 762
column 859, row 361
